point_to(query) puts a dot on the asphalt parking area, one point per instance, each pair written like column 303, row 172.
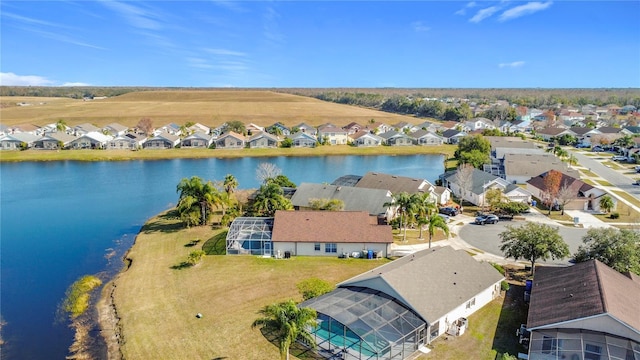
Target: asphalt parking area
column 485, row 237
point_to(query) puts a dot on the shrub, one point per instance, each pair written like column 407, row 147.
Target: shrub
column 504, row 285
column 195, row 257
column 498, row 267
column 614, row 215
column 313, row 287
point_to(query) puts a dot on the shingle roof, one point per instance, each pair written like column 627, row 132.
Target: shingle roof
column 510, row 142
column 533, row 164
column 393, row 183
column 577, row 186
column 609, row 130
column 553, row 131
column 432, row 282
column 585, row 289
column 479, row 179
column 451, row 133
column 329, row 226
column 355, row 199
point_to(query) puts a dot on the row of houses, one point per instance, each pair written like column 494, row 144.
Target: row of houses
column 518, row 169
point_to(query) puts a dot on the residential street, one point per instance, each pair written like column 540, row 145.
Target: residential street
column 614, row 177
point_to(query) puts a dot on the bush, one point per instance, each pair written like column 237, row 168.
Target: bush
column 504, row 285
column 195, row 257
column 498, row 267
column 313, row 287
column 614, row 215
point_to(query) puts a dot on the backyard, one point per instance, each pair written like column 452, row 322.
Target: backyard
column 157, row 299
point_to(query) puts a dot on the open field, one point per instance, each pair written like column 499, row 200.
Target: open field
column 123, row 155
column 157, row 299
column 208, row 107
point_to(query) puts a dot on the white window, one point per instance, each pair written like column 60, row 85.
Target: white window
column 331, row 248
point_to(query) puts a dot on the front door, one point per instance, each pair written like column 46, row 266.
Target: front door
column 267, row 248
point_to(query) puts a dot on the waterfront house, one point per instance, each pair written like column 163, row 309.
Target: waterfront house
column 395, row 138
column 54, row 141
column 303, row 139
column 425, row 137
column 365, row 138
column 196, row 140
column 128, row 141
column 90, row 140
column 306, row 128
column 17, row 141
column 163, row 140
column 230, row 140
column 115, row 129
column 332, row 135
column 262, row 139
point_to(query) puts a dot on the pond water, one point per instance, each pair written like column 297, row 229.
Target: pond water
column 62, row 220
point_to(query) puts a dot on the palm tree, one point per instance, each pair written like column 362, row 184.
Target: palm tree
column 606, row 203
column 61, row 125
column 403, row 203
column 437, row 222
column 230, row 184
column 424, row 207
column 289, row 323
column 269, row 199
column 197, row 200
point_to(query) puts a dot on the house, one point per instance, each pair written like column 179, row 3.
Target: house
column 479, row 124
column 365, row 138
column 354, row 199
column 378, row 128
column 253, row 128
column 390, row 312
column 519, row 168
column 502, row 145
column 196, row 140
column 26, row 128
column 395, row 138
column 352, row 128
column 163, row 140
column 230, row 140
column 393, row 183
column 473, row 186
column 262, row 140
column 171, row 128
column 453, row 136
column 85, row 128
column 306, row 128
column 90, row 140
column 17, row 141
column 54, row 141
column 303, row 139
column 584, row 134
column 426, row 137
column 309, row 233
column 549, row 133
column 279, row 129
column 403, row 126
column 584, row 311
column 429, row 126
column 449, row 125
column 128, row 141
column 332, row 135
column 584, row 196
column 197, row 127
column 219, row 130
column 115, row 129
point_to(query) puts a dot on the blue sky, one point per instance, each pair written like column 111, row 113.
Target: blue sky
column 505, row 44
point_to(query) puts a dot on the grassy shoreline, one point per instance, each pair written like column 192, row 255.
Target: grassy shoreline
column 127, row 155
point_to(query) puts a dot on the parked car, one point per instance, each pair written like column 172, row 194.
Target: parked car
column 444, row 217
column 637, row 182
column 582, row 146
column 486, row 219
column 597, row 148
column 620, row 158
column 451, row 211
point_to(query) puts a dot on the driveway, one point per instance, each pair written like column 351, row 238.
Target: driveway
column 485, row 237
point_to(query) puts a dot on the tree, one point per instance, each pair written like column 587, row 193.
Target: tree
column 494, row 197
column 230, row 184
column 474, row 150
column 606, row 203
column 282, row 180
column 288, row 323
column 533, row 241
column 424, row 207
column 61, row 125
column 326, row 204
column 551, row 183
column 437, row 222
column 195, row 257
column 197, row 200
column 236, row 126
column 565, row 195
column 286, row 143
column 402, row 203
column 618, row 249
column 266, row 171
column 313, row 287
column 625, row 142
column 474, row 158
column 269, row 199
column 145, row 125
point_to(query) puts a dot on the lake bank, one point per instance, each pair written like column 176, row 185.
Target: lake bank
column 127, row 155
column 152, row 299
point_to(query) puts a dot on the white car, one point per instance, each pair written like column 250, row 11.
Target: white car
column 619, row 158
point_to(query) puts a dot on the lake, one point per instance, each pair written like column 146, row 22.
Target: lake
column 62, row 220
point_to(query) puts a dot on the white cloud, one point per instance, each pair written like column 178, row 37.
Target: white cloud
column 32, row 21
column 463, row 11
column 136, row 16
column 483, row 14
column 199, row 63
column 526, row 9
column 75, row 84
column 224, row 52
column 11, row 79
column 514, row 64
column 418, row 26
column 271, row 27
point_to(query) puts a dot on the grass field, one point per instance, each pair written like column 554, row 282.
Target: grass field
column 158, row 298
column 123, row 155
column 208, row 107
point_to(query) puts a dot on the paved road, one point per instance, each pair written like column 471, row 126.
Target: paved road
column 612, row 176
column 485, row 237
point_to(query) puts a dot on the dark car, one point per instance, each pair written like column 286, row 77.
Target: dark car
column 486, row 219
column 451, row 211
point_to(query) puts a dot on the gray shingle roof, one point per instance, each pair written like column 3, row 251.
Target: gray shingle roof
column 393, row 183
column 479, row 180
column 355, row 199
column 440, row 280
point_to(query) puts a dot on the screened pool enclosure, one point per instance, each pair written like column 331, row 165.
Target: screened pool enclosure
column 250, row 236
column 361, row 323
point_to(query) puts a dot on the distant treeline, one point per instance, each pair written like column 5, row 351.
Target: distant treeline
column 398, row 100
